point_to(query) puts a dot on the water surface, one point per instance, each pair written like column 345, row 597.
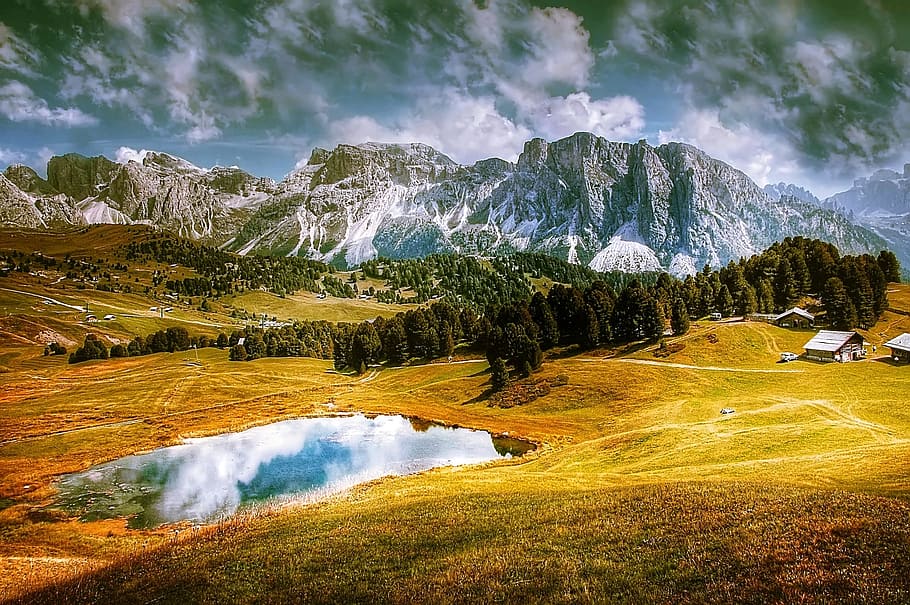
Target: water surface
column 211, row 477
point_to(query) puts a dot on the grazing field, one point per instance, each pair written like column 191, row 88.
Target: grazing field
column 306, row 305
column 640, row 491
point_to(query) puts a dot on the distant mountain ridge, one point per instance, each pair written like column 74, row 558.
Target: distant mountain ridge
column 609, row 205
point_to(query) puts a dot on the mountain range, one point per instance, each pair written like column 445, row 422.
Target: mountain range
column 609, row 205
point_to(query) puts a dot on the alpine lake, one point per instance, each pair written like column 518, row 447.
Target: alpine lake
column 208, row 479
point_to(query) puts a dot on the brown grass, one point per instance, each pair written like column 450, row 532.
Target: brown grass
column 641, row 491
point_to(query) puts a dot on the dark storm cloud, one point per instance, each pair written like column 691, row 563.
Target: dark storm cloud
column 781, row 88
column 830, row 78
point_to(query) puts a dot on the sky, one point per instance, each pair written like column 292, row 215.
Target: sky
column 809, row 92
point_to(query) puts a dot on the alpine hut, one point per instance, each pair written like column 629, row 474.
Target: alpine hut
column 900, row 347
column 795, row 318
column 829, row 345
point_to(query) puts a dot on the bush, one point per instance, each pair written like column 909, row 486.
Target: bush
column 92, row 348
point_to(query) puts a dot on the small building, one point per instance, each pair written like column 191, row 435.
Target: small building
column 795, row 318
column 91, row 318
column 716, row 316
column 109, row 317
column 900, row 347
column 829, row 345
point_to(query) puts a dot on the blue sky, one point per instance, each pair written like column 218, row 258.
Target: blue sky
column 814, row 93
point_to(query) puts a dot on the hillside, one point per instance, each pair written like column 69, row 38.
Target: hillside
column 635, row 461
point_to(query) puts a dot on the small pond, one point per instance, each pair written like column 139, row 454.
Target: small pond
column 209, row 478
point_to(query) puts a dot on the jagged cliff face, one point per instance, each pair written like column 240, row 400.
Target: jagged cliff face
column 885, row 193
column 163, row 191
column 880, row 202
column 613, row 206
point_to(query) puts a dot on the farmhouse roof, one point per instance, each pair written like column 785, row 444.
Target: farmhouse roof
column 901, row 342
column 829, row 340
column 801, row 312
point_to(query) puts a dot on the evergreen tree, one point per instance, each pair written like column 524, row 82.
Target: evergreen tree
column 747, row 302
column 679, row 319
column 724, row 301
column 839, row 309
column 394, row 341
column 499, row 374
column 889, row 265
column 590, row 328
column 542, row 315
column 785, row 287
column 765, row 297
column 238, row 353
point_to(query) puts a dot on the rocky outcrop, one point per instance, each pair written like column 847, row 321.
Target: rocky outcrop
column 80, row 177
column 611, row 205
column 885, row 193
column 28, row 181
column 24, row 209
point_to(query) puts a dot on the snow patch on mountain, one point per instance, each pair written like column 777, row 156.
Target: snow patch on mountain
column 626, row 252
column 96, row 212
column 682, row 265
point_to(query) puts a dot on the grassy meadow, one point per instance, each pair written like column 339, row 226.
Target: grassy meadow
column 640, row 490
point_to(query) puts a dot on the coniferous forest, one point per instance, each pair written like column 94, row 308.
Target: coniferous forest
column 492, row 308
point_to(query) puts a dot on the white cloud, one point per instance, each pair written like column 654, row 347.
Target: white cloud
column 126, row 155
column 464, row 127
column 11, row 156
column 16, row 54
column 558, row 49
column 612, row 118
column 762, row 157
column 131, row 15
column 44, row 155
column 19, row 103
column 555, row 49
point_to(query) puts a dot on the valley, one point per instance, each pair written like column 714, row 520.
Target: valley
column 801, row 493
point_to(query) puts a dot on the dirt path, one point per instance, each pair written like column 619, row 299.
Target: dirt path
column 668, row 364
column 46, row 298
column 101, row 425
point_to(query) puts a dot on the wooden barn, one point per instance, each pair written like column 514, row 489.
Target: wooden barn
column 900, row 347
column 795, row 318
column 829, row 345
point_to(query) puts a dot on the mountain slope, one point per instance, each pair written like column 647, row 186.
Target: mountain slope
column 880, row 203
column 609, row 205
column 614, row 206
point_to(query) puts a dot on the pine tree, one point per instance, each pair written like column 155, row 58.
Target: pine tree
column 889, row 265
column 724, row 301
column 679, row 319
column 499, row 374
column 785, row 287
column 839, row 309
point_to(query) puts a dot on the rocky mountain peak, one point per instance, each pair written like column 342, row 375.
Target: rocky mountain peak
column 78, row 176
column 534, row 155
column 167, row 162
column 318, row 156
column 28, row 180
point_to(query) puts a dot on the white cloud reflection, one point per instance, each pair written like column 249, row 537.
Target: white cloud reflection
column 213, row 476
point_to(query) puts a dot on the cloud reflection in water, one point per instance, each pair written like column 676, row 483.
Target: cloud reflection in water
column 209, row 477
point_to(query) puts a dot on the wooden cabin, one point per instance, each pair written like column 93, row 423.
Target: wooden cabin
column 900, row 348
column 795, row 318
column 829, row 345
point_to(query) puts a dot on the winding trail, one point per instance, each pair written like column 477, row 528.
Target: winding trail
column 45, row 298
column 668, row 364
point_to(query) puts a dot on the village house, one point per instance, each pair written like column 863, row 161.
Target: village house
column 829, row 345
column 795, row 318
column 900, row 347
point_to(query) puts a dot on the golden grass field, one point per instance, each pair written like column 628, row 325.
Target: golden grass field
column 640, row 491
